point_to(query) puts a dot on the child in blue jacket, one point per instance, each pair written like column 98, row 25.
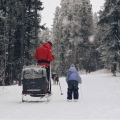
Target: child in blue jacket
column 72, row 80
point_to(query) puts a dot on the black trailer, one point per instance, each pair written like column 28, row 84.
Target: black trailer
column 34, row 82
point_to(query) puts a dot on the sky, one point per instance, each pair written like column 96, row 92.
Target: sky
column 50, row 5
column 99, row 99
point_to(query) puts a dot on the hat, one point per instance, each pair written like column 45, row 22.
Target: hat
column 49, row 43
column 72, row 65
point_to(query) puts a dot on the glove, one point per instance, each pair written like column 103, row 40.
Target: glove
column 53, row 56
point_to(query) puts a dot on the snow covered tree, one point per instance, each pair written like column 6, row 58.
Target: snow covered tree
column 44, row 36
column 86, row 31
column 71, row 28
column 96, row 55
column 95, row 22
column 19, row 32
column 57, row 37
column 109, row 30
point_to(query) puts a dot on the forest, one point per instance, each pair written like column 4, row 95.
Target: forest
column 89, row 40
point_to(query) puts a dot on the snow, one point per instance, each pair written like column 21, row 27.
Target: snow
column 100, row 100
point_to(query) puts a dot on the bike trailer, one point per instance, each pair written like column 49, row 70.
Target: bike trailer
column 34, row 81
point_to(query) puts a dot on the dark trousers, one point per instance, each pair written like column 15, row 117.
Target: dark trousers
column 48, row 77
column 72, row 90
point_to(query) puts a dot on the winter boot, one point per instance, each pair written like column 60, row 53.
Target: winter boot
column 69, row 94
column 75, row 100
column 69, row 100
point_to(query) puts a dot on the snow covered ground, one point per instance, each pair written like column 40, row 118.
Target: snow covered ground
column 100, row 100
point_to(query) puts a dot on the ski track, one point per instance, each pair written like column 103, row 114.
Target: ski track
column 101, row 101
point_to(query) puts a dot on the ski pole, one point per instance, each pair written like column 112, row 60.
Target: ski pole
column 50, row 78
column 60, row 88
column 81, row 92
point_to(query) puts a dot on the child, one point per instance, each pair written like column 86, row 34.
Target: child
column 72, row 80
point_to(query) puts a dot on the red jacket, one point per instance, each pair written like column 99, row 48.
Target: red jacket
column 44, row 55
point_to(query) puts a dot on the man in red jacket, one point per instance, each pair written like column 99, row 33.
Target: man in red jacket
column 44, row 56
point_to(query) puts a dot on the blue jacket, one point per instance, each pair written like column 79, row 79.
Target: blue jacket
column 72, row 74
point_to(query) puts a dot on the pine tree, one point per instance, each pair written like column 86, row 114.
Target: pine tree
column 96, row 55
column 18, row 34
column 68, row 30
column 57, row 36
column 109, row 29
